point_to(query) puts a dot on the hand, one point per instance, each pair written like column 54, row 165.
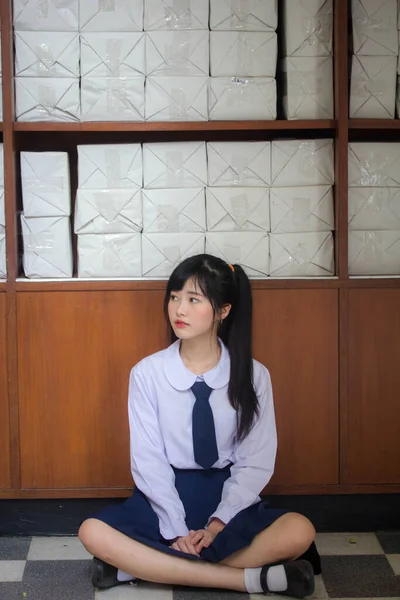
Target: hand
column 203, row 538
column 185, row 544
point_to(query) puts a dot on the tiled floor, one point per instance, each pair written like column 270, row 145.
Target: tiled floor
column 359, row 565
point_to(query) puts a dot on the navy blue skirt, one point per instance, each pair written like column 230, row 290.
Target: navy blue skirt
column 200, row 492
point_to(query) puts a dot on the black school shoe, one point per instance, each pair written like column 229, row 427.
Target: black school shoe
column 300, row 578
column 104, row 576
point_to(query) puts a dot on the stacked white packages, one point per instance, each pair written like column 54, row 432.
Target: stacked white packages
column 108, row 210
column 174, row 217
column 374, row 208
column 46, row 60
column 46, row 228
column 238, row 212
column 177, row 60
column 243, row 55
column 112, row 60
column 3, row 269
column 302, row 216
column 307, row 65
column 374, row 64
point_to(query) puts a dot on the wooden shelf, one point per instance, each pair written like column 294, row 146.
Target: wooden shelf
column 380, row 124
column 177, row 126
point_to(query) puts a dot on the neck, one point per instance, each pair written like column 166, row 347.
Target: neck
column 200, row 354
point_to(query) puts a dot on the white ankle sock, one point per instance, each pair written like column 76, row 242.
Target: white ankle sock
column 276, row 579
column 122, row 576
column 252, row 581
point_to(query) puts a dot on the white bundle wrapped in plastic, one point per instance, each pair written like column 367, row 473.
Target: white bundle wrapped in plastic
column 302, row 254
column 250, row 249
column 162, row 252
column 308, row 87
column 47, row 247
column 109, row 255
column 45, row 184
column 374, row 253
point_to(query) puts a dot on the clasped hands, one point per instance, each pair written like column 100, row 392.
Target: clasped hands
column 197, row 540
column 194, row 542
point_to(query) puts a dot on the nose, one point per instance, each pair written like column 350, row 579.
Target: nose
column 181, row 308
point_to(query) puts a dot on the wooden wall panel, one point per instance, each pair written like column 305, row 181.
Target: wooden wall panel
column 373, row 411
column 5, row 476
column 75, row 352
column 296, row 337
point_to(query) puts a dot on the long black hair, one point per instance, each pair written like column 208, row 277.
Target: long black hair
column 223, row 285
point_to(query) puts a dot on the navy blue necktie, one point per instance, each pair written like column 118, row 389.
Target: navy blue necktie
column 204, row 440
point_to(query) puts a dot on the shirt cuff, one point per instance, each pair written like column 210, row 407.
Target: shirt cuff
column 170, row 532
column 222, row 513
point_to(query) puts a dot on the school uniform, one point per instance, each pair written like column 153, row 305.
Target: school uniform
column 175, row 494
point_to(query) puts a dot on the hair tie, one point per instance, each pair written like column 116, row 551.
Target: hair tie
column 231, row 267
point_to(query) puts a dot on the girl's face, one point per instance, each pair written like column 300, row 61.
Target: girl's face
column 190, row 313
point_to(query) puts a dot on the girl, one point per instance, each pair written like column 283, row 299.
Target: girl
column 203, row 446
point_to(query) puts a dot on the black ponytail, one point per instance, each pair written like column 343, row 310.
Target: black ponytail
column 226, row 284
column 236, row 333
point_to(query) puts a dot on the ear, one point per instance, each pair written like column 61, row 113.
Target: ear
column 225, row 310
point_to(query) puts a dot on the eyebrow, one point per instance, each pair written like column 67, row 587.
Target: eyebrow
column 195, row 293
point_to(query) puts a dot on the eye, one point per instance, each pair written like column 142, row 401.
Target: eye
column 194, row 300
column 172, row 297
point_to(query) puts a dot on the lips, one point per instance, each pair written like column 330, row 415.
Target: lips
column 180, row 324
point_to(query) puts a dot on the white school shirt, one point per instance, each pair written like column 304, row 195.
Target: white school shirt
column 160, row 418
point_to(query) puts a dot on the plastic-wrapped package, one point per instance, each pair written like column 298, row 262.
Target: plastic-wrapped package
column 162, row 252
column 112, row 98
column 110, row 15
column 45, row 15
column 118, row 54
column 374, row 208
column 178, row 53
column 242, row 98
column 374, row 252
column 373, row 87
column 47, row 99
column 302, row 254
column 308, row 87
column 243, row 15
column 47, row 247
column 375, row 27
column 248, row 248
column 46, row 54
column 176, row 210
column 45, row 181
column 109, row 255
column 302, row 209
column 176, row 14
column 239, row 163
column 116, row 166
column 307, row 28
column 243, row 53
column 176, row 98
column 374, row 164
column 174, row 165
column 302, row 162
column 237, row 209
column 108, row 211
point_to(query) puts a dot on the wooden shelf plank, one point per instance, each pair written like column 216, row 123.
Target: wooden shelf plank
column 177, row 126
column 380, row 124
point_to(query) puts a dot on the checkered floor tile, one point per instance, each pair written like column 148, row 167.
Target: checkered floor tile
column 359, row 565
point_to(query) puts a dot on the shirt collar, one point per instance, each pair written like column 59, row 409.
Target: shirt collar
column 182, row 379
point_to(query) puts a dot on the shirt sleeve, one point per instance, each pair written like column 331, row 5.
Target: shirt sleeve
column 254, row 457
column 150, row 468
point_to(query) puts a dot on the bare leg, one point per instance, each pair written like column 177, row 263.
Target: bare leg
column 143, row 562
column 285, row 539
